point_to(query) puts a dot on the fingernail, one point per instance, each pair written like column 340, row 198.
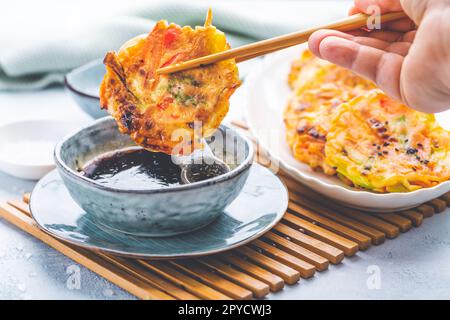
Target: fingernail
column 339, row 51
column 317, row 37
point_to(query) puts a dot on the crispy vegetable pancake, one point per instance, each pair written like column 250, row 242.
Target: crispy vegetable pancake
column 381, row 145
column 319, row 87
column 340, row 123
column 169, row 113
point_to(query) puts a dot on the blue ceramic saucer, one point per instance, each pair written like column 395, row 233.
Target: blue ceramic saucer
column 261, row 204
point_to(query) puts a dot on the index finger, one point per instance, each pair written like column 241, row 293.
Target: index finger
column 382, row 67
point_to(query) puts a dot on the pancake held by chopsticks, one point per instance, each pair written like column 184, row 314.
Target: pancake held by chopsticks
column 342, row 124
column 153, row 108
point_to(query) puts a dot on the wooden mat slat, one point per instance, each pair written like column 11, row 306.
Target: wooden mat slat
column 139, row 271
column 376, row 236
column 349, row 247
column 306, row 269
column 391, row 231
column 362, row 240
column 164, row 269
column 403, row 223
column 426, row 210
column 86, row 258
column 205, row 275
column 20, row 205
column 446, row 198
column 319, row 262
column 438, row 205
column 258, row 287
column 26, row 198
column 415, row 217
column 288, row 274
column 333, row 254
column 275, row 282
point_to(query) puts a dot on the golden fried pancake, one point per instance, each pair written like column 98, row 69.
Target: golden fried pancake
column 340, row 123
column 319, row 87
column 379, row 144
column 160, row 112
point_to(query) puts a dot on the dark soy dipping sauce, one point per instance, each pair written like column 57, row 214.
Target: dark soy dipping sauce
column 134, row 169
column 199, row 172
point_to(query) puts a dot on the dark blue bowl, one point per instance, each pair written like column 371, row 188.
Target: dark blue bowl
column 83, row 85
column 153, row 212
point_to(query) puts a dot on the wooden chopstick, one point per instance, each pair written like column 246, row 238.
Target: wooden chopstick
column 263, row 47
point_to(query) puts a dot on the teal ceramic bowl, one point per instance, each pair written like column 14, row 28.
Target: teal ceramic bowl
column 166, row 211
column 83, row 85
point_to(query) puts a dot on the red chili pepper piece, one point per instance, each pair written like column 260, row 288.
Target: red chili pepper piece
column 170, row 36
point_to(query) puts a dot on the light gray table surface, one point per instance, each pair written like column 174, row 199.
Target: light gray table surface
column 416, row 265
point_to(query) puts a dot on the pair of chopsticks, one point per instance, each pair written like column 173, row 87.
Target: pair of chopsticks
column 260, row 48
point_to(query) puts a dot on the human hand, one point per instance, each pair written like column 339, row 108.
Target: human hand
column 409, row 59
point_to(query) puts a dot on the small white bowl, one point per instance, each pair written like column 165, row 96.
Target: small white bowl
column 267, row 93
column 26, row 147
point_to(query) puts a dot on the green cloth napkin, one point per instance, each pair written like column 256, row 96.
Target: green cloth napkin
column 37, row 62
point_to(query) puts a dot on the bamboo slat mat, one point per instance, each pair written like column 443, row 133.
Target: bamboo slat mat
column 314, row 233
column 311, row 235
